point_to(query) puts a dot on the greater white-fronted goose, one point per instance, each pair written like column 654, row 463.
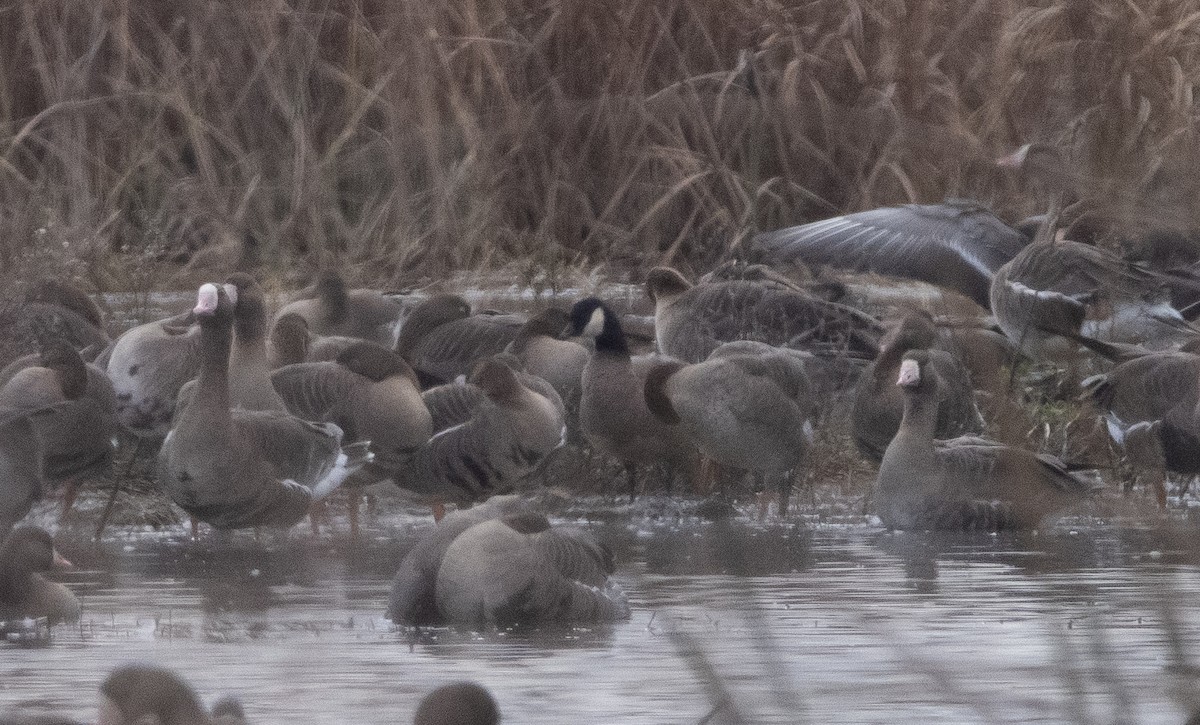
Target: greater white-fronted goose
column 135, row 694
column 292, row 342
column 50, row 309
column 502, row 565
column 543, row 353
column 369, row 392
column 459, row 703
column 692, row 321
column 243, row 468
column 958, row 244
column 26, row 552
column 963, row 483
column 441, row 339
column 249, row 372
column 879, row 402
column 20, row 466
column 335, row 310
column 1064, row 285
column 147, row 366
column 748, row 406
column 612, row 410
column 500, row 444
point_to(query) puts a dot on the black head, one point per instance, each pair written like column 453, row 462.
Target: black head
column 591, row 317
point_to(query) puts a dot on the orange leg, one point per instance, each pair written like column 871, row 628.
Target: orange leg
column 439, row 511
column 70, row 493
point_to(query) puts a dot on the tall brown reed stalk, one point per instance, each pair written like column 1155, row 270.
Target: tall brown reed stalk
column 403, row 139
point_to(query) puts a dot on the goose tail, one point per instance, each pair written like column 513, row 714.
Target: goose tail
column 351, row 458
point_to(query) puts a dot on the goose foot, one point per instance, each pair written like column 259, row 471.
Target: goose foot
column 439, row 511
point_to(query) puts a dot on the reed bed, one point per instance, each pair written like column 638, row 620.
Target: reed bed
column 141, row 142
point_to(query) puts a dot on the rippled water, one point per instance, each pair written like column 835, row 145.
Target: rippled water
column 799, row 623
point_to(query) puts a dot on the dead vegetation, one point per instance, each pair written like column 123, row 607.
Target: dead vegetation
column 408, row 139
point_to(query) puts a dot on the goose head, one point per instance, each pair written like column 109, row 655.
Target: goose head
column 430, row 314
column 459, row 703
column 139, row 693
column 915, row 330
column 290, row 339
column 497, row 379
column 375, row 362
column 664, row 284
column 916, row 375
column 58, row 355
column 590, row 317
column 31, row 549
column 215, row 303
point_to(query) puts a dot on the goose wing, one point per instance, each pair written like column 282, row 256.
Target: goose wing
column 450, row 349
column 295, row 449
column 313, row 390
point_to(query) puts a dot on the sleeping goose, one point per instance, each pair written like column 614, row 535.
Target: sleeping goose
column 748, row 406
column 335, row 310
column 441, row 339
column 502, row 441
column 963, row 483
column 147, row 366
column 612, row 409
column 26, row 552
column 369, row 392
column 292, row 342
column 879, row 403
column 542, row 353
column 50, row 309
column 501, row 564
column 136, row 694
column 957, row 245
column 80, row 441
column 1080, row 288
column 249, row 372
column 692, row 321
column 242, row 468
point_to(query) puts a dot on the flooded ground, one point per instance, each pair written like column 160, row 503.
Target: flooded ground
column 794, row 622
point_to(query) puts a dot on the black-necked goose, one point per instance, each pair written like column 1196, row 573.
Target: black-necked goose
column 25, row 553
column 502, row 564
column 1064, row 285
column 441, row 339
column 243, row 468
column 369, row 392
column 879, row 403
column 336, row 310
column 138, row 694
column 459, row 703
column 612, row 410
column 963, row 483
column 748, row 406
column 691, row 321
column 957, row 245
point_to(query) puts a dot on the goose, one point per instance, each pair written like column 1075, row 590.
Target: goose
column 335, row 310
column 147, row 366
column 135, row 693
column 958, row 244
column 613, row 414
column 748, row 406
column 458, row 703
column 81, row 440
column 1076, row 287
column 967, row 482
column 26, row 552
column 21, row 480
column 501, row 564
column 242, row 468
column 692, row 321
column 50, row 309
column 249, row 372
column 500, row 444
column 441, row 339
column 292, row 342
column 541, row 352
column 879, row 404
column 369, row 392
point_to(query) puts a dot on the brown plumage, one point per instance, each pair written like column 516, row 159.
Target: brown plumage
column 967, row 482
column 240, row 468
column 459, row 703
column 441, row 339
column 543, row 353
column 692, row 321
column 50, row 309
column 249, row 372
column 333, row 309
column 143, row 694
column 24, row 554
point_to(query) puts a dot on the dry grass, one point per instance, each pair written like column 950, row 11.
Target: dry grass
column 406, row 139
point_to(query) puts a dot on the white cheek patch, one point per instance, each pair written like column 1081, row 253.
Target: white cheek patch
column 206, row 299
column 595, row 323
column 910, row 373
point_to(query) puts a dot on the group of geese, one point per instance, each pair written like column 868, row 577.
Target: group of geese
column 260, row 417
column 137, row 694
